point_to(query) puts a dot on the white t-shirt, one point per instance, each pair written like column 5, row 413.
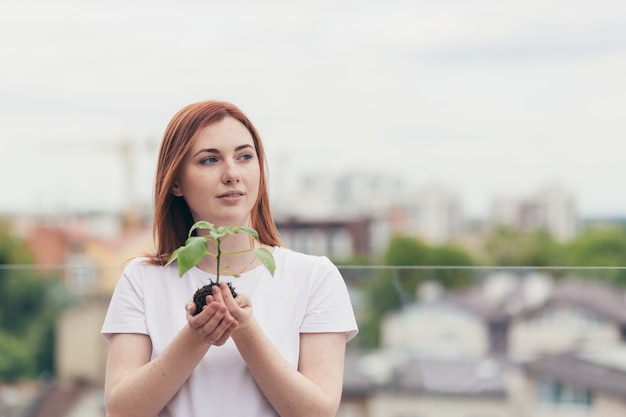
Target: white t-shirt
column 307, row 294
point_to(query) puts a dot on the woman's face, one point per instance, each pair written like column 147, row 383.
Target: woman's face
column 220, row 176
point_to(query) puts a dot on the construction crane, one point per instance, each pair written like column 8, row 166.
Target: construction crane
column 129, row 150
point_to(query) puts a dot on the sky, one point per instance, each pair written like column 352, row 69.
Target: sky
column 490, row 98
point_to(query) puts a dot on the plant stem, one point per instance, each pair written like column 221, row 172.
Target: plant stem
column 219, row 257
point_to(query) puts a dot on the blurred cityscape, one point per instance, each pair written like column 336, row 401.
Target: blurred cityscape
column 393, row 126
column 516, row 342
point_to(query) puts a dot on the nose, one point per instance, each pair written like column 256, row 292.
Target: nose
column 231, row 174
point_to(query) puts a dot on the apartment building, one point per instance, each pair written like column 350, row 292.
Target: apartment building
column 402, row 383
column 551, row 208
column 590, row 382
column 551, row 348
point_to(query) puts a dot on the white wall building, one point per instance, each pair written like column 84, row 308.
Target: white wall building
column 329, row 195
column 432, row 213
column 551, row 208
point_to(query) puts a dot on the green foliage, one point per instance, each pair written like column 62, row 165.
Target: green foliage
column 601, row 247
column 21, row 297
column 405, row 250
column 398, row 284
column 197, row 247
column 509, row 247
column 604, row 246
column 27, row 313
column 13, row 250
column 16, row 360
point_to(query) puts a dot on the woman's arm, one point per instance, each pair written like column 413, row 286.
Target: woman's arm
column 314, row 389
column 135, row 386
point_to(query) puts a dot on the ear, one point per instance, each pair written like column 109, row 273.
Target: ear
column 176, row 190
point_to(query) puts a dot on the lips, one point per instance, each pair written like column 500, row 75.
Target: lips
column 231, row 194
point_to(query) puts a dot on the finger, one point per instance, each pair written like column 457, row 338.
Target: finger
column 226, row 335
column 225, row 290
column 227, row 296
column 190, row 308
column 218, row 294
column 242, row 301
column 218, row 334
column 218, row 313
column 204, row 316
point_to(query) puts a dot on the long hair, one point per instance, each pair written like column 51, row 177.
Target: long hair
column 172, row 217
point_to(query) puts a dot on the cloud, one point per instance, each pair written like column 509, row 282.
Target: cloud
column 433, row 89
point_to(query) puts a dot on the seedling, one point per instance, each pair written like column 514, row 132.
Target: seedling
column 197, row 247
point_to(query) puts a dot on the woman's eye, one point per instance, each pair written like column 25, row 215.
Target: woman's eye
column 208, row 160
column 246, row 156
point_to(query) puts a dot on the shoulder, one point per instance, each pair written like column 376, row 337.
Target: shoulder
column 290, row 259
column 144, row 262
column 289, row 255
column 140, row 263
column 140, row 267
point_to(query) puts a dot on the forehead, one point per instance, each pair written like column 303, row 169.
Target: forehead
column 226, row 132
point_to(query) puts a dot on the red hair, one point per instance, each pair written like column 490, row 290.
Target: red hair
column 172, row 217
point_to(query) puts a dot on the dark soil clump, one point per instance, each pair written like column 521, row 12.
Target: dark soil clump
column 199, row 298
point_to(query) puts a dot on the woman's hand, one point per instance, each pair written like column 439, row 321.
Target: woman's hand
column 240, row 308
column 214, row 324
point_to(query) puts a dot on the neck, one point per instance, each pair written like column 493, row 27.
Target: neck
column 236, row 255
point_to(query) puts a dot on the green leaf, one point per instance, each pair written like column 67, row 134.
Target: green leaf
column 197, row 247
column 202, row 224
column 250, row 231
column 231, row 230
column 266, row 258
column 191, row 254
column 173, row 256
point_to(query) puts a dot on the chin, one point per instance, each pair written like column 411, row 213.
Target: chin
column 232, row 220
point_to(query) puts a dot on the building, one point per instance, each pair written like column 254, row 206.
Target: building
column 522, row 317
column 514, row 346
column 401, row 383
column 326, row 195
column 433, row 213
column 340, row 239
column 551, row 208
column 577, row 314
column 587, row 382
column 89, row 252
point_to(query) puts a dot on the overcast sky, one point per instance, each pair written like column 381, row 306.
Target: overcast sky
column 488, row 97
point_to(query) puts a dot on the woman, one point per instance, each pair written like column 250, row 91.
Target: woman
column 285, row 357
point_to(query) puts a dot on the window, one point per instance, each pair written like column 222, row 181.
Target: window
column 555, row 394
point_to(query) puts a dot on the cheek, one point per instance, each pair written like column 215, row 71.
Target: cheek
column 256, row 189
column 254, row 178
column 196, row 185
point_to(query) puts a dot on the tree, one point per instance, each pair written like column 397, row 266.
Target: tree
column 410, row 262
column 601, row 247
column 15, row 359
column 509, row 247
column 28, row 308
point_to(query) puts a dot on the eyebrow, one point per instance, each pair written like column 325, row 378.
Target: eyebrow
column 214, row 150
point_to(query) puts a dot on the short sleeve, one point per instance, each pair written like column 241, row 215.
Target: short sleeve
column 126, row 313
column 329, row 308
